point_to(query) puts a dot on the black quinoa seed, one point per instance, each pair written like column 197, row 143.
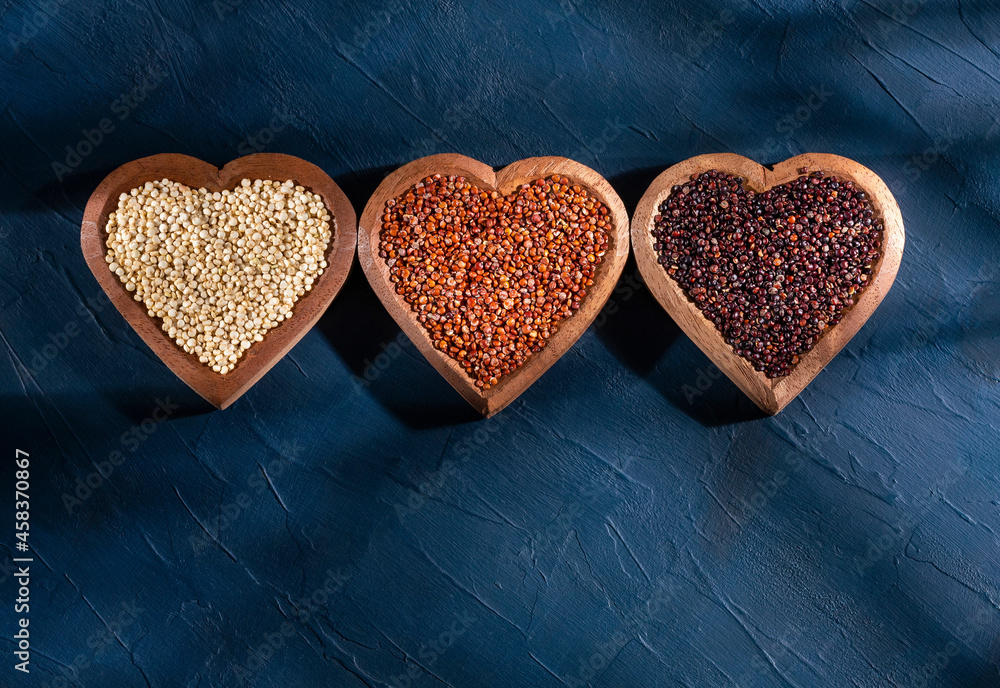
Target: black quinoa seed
column 771, row 270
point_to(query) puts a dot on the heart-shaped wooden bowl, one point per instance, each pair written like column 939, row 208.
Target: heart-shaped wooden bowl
column 505, row 181
column 221, row 390
column 771, row 395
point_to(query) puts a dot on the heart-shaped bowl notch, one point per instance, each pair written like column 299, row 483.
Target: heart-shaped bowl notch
column 770, row 394
column 509, row 180
column 218, row 389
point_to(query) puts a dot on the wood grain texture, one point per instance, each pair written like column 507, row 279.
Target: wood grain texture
column 221, row 390
column 505, row 181
column 771, row 395
column 844, row 542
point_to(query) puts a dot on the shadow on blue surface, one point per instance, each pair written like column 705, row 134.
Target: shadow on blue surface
column 624, row 465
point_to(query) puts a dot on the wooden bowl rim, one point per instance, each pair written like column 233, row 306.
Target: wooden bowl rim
column 771, row 395
column 221, row 390
column 503, row 181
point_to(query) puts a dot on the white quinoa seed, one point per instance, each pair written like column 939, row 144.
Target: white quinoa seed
column 219, row 269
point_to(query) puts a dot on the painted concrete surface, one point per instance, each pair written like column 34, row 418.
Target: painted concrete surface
column 630, row 520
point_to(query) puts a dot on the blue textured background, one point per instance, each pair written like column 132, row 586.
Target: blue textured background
column 630, row 520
